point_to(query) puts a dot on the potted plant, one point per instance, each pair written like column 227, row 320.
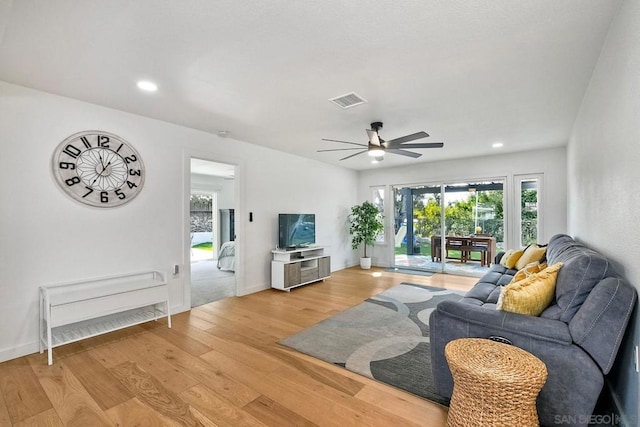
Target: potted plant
column 365, row 222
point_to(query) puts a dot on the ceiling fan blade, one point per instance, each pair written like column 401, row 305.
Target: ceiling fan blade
column 348, row 157
column 394, row 143
column 338, row 149
column 373, row 137
column 403, row 152
column 423, row 145
column 344, row 142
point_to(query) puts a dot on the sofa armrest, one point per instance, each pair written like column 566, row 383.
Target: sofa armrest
column 600, row 323
column 497, row 320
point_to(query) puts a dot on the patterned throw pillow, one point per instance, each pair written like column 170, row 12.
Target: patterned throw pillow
column 510, row 258
column 528, row 270
column 531, row 295
column 533, row 253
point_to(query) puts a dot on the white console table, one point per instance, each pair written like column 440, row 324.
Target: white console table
column 292, row 268
column 77, row 310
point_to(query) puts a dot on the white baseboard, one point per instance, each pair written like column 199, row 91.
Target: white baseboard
column 252, row 290
column 19, row 351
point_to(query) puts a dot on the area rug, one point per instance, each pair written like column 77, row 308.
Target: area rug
column 385, row 338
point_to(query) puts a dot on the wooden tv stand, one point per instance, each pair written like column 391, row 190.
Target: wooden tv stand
column 297, row 267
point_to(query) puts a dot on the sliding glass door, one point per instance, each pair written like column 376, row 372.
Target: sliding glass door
column 449, row 227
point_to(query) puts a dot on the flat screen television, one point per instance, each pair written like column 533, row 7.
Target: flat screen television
column 296, row 230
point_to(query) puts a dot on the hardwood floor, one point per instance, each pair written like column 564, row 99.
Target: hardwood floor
column 220, row 365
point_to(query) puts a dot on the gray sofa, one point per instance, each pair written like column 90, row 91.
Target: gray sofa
column 577, row 336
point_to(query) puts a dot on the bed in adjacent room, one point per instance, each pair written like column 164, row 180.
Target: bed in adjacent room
column 227, row 256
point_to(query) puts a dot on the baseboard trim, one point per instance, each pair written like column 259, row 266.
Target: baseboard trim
column 19, row 351
column 252, row 290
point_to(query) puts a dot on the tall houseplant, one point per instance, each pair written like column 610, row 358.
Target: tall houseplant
column 365, row 222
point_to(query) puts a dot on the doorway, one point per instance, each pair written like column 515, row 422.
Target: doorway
column 212, row 231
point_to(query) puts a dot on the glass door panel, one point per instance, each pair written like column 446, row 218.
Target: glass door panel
column 417, row 220
column 202, row 221
column 474, row 226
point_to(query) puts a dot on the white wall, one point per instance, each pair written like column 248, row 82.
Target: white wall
column 45, row 237
column 550, row 162
column 603, row 158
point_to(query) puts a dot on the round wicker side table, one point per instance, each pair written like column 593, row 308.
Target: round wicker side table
column 494, row 384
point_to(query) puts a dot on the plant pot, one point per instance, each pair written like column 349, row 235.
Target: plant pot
column 365, row 263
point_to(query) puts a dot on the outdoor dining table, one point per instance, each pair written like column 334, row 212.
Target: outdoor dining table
column 485, row 245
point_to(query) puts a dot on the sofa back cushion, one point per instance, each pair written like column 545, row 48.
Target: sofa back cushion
column 582, row 269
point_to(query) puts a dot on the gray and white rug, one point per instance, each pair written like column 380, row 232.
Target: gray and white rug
column 385, row 338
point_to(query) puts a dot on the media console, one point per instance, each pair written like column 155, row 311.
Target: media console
column 292, row 268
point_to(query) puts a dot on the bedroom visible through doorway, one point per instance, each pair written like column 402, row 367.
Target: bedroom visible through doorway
column 212, row 231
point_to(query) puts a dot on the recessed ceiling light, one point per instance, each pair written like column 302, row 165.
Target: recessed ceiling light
column 497, row 144
column 223, row 133
column 147, row 86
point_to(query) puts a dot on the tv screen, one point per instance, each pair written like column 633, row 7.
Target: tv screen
column 296, row 230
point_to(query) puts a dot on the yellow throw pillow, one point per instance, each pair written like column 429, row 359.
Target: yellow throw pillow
column 531, row 295
column 510, row 258
column 533, row 253
column 528, row 270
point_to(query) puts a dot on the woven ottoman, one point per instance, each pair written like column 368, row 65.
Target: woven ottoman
column 494, row 384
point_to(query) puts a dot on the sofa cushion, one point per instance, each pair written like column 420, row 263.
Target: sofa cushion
column 531, row 295
column 483, row 293
column 583, row 268
column 487, row 290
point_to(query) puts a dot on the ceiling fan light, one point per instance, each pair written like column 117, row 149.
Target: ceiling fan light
column 376, row 152
column 147, row 86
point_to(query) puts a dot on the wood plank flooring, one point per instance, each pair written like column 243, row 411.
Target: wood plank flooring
column 220, row 365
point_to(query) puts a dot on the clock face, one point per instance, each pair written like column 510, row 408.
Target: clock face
column 98, row 169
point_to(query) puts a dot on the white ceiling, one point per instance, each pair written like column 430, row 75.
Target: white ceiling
column 205, row 167
column 468, row 72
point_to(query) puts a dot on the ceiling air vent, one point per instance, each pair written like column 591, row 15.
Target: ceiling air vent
column 348, row 100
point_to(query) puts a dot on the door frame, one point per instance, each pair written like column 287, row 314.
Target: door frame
column 239, row 179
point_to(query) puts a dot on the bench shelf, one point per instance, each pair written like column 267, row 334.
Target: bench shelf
column 74, row 311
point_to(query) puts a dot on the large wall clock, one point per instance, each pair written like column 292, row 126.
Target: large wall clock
column 98, row 168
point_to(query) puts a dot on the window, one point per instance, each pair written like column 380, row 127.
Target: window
column 377, row 198
column 528, row 208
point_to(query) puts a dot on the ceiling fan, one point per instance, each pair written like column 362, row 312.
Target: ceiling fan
column 377, row 146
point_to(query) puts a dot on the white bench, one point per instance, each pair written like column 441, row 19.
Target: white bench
column 74, row 311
